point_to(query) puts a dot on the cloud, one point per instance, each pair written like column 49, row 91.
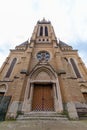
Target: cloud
column 18, row 18
column 82, row 50
column 4, row 51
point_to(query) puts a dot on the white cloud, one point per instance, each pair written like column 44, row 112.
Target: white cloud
column 18, row 18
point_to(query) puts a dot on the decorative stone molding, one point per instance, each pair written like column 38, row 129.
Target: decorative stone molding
column 59, row 72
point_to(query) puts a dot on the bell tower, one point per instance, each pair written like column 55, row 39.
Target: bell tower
column 44, row 79
column 43, row 32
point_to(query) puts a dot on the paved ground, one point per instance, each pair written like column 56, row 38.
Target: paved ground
column 43, row 125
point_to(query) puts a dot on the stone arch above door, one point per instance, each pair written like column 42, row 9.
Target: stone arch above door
column 43, row 72
column 42, row 76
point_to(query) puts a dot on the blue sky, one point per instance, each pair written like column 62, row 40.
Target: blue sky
column 18, row 18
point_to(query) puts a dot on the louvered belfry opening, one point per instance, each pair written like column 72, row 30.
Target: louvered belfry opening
column 43, row 98
column 41, row 31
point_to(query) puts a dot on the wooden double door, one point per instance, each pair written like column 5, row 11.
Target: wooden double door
column 43, row 98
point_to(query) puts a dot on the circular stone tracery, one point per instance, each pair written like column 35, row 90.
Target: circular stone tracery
column 43, row 56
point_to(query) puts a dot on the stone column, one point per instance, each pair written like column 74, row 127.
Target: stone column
column 60, row 104
column 59, row 62
column 43, row 30
column 26, row 96
column 31, row 97
column 55, row 97
column 72, row 113
column 27, row 104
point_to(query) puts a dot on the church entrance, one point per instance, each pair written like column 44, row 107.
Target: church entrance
column 43, row 98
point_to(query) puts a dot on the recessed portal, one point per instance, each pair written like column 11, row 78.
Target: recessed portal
column 43, row 98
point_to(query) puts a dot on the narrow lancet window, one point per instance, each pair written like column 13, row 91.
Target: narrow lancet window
column 46, row 31
column 75, row 68
column 11, row 68
column 41, row 31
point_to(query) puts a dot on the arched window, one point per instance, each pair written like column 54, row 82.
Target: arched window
column 75, row 68
column 46, row 31
column 41, row 31
column 11, row 68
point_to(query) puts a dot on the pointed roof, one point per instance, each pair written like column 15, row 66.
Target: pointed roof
column 61, row 43
column 43, row 21
column 64, row 45
column 24, row 43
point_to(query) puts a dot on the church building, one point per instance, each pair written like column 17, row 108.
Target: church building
column 43, row 75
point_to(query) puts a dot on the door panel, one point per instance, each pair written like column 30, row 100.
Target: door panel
column 4, row 102
column 43, row 98
column 36, row 98
column 48, row 98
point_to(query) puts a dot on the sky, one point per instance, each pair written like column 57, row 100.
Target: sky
column 18, row 18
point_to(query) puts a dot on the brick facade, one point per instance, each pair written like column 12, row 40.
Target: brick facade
column 57, row 70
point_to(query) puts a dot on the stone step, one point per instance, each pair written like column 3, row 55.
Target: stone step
column 83, row 118
column 42, row 116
